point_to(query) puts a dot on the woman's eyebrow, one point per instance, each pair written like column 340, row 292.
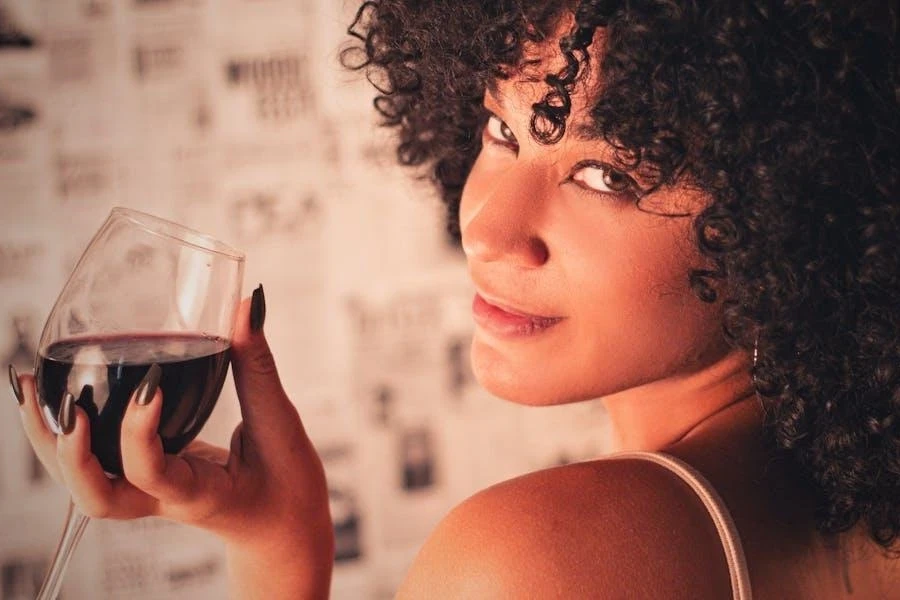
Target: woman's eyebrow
column 585, row 133
column 582, row 132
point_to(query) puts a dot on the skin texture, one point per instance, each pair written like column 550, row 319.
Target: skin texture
column 548, row 246
column 547, row 236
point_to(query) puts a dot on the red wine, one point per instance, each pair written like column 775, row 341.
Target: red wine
column 103, row 372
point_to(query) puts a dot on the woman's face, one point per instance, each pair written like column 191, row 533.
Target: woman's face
column 549, row 231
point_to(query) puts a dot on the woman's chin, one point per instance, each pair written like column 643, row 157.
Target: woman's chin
column 516, row 379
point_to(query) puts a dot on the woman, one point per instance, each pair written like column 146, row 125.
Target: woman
column 687, row 209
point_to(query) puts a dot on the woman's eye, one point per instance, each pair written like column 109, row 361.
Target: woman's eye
column 603, row 179
column 499, row 132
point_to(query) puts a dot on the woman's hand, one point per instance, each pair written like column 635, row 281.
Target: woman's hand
column 266, row 496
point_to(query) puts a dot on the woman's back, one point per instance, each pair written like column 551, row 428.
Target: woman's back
column 628, row 527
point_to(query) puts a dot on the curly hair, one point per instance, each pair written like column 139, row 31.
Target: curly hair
column 786, row 113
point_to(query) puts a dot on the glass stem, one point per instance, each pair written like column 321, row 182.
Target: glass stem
column 75, row 524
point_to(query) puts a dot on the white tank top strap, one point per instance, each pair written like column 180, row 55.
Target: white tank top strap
column 734, row 552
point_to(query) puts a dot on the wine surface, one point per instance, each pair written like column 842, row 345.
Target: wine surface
column 103, row 372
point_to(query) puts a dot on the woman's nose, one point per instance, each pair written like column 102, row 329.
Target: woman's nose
column 502, row 222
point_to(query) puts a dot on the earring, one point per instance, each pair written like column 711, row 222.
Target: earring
column 755, row 353
column 753, row 378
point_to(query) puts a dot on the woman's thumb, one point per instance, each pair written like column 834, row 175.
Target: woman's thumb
column 259, row 389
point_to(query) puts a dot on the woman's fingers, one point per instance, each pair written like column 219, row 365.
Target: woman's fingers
column 69, row 461
column 143, row 460
column 188, row 486
column 42, row 440
column 92, row 491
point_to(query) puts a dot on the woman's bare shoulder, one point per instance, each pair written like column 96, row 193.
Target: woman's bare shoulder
column 592, row 529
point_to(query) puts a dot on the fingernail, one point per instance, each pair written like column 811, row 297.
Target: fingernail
column 86, row 397
column 66, row 416
column 16, row 388
column 148, row 386
column 258, row 309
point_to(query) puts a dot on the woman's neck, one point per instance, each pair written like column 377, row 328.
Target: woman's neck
column 659, row 414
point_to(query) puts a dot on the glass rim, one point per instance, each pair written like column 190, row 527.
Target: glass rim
column 164, row 227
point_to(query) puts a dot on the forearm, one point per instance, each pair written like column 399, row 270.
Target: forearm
column 279, row 571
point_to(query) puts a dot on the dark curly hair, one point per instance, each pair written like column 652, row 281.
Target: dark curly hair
column 786, row 112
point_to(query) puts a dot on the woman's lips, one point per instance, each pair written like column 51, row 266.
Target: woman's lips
column 503, row 322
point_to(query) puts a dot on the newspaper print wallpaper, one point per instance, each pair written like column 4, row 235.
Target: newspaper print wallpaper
column 235, row 118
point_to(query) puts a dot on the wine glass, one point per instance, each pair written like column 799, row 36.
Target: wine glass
column 146, row 291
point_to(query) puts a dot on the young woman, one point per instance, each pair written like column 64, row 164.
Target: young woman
column 688, row 209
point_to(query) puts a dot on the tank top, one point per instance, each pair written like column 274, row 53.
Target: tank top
column 728, row 534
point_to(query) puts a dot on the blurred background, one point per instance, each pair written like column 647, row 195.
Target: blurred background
column 235, row 118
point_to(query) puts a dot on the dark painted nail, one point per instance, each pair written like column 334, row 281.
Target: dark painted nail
column 258, row 309
column 148, row 386
column 86, row 397
column 16, row 388
column 66, row 416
